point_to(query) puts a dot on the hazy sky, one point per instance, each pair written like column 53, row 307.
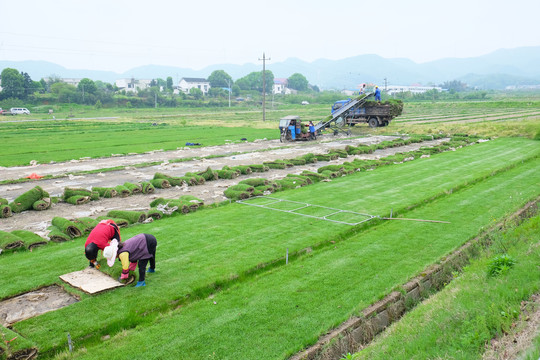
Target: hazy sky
column 118, row 35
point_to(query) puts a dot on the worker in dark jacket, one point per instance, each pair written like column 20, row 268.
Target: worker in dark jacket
column 140, row 250
column 99, row 238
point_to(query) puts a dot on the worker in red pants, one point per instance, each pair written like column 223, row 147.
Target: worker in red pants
column 99, row 238
column 138, row 250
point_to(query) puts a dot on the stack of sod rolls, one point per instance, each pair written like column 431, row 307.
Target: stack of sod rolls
column 26, row 201
column 5, row 210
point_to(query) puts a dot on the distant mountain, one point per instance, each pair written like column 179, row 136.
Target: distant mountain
column 496, row 70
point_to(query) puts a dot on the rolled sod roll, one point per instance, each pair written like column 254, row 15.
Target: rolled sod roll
column 30, row 239
column 86, row 224
column 9, row 241
column 227, row 174
column 244, row 169
column 3, row 201
column 122, row 223
column 192, row 199
column 5, row 211
column 160, row 183
column 68, row 227
column 236, row 194
column 173, row 180
column 134, row 188
column 209, row 174
column 122, row 191
column 132, row 216
column 255, row 182
column 27, row 199
column 69, row 192
column 78, row 199
column 56, row 235
column 200, row 180
column 42, row 204
column 154, row 214
column 259, row 168
column 105, row 192
column 147, row 187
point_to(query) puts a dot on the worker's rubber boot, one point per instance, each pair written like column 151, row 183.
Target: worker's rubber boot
column 140, row 283
column 150, row 270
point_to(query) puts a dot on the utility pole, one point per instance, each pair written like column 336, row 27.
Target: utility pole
column 230, row 90
column 264, row 85
column 385, row 84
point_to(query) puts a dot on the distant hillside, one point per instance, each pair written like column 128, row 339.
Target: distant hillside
column 496, row 70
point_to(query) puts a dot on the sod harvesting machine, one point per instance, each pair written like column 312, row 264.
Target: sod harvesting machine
column 345, row 113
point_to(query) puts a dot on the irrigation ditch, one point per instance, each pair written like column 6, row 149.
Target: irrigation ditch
column 359, row 331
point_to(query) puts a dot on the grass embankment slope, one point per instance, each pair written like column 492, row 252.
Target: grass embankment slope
column 279, row 312
column 460, row 321
column 209, row 248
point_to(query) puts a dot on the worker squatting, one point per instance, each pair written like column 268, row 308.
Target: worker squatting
column 138, row 250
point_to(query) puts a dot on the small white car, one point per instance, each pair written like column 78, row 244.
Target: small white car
column 305, row 102
column 15, row 111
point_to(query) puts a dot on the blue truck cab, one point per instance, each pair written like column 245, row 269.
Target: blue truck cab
column 355, row 113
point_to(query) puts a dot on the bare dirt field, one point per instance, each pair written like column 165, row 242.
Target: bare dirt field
column 242, row 154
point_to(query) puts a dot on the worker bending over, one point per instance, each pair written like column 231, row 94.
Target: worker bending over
column 139, row 249
column 99, row 238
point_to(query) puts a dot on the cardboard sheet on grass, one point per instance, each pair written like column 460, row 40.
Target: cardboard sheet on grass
column 91, row 281
column 34, row 303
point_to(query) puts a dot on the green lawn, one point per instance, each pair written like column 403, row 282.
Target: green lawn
column 223, row 248
column 67, row 140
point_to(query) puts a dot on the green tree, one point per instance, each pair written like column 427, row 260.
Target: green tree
column 65, row 93
column 12, row 84
column 254, row 81
column 169, row 83
column 298, row 82
column 217, row 92
column 196, row 93
column 236, row 90
column 87, row 86
column 454, row 86
column 219, row 79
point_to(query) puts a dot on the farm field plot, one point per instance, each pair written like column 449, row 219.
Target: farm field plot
column 64, row 141
column 227, row 247
column 287, row 308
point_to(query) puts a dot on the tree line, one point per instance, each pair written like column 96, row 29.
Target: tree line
column 18, row 86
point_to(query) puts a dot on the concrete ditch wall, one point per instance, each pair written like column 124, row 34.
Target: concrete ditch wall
column 357, row 332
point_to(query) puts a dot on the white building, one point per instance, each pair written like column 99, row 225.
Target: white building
column 187, row 84
column 414, row 89
column 132, row 85
column 280, row 86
